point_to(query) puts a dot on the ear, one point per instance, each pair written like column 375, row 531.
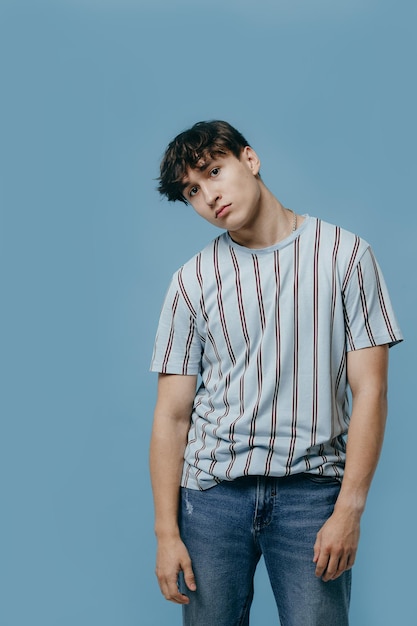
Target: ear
column 251, row 159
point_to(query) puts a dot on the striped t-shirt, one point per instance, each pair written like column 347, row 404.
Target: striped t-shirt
column 268, row 331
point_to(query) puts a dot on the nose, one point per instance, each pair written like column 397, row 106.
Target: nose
column 210, row 195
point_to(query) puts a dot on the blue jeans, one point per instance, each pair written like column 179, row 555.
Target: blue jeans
column 228, row 527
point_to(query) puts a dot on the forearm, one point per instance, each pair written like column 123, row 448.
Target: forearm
column 166, row 459
column 169, row 438
column 337, row 540
column 368, row 375
column 365, row 438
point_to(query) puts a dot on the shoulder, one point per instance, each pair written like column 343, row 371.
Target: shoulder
column 338, row 250
column 207, row 253
column 346, row 245
column 189, row 275
column 345, row 237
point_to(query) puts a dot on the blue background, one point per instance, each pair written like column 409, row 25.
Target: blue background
column 91, row 92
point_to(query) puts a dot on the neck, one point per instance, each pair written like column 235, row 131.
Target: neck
column 272, row 223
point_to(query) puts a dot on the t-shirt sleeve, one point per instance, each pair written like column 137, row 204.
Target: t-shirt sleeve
column 369, row 316
column 177, row 348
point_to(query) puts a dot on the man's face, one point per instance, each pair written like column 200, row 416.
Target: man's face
column 225, row 190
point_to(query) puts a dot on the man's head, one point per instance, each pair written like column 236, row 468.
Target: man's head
column 205, row 140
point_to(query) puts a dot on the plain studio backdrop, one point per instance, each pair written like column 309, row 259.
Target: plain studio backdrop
column 91, row 92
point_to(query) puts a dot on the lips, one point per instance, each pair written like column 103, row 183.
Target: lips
column 222, row 210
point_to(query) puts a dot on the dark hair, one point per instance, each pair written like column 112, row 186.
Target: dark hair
column 203, row 140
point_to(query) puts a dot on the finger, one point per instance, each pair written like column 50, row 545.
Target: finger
column 333, row 569
column 322, row 563
column 178, row 598
column 189, row 577
column 316, row 552
column 171, row 592
column 351, row 560
column 342, row 567
column 345, row 564
column 317, row 548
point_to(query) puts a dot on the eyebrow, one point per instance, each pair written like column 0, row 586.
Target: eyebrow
column 200, row 168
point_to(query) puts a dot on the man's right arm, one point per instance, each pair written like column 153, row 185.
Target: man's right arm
column 169, row 438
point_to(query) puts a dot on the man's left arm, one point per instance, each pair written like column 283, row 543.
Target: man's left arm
column 337, row 541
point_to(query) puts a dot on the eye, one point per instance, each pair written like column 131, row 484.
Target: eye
column 193, row 191
column 215, row 171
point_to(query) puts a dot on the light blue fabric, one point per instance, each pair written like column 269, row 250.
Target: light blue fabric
column 269, row 330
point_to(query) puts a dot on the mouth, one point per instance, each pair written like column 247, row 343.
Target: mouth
column 222, row 210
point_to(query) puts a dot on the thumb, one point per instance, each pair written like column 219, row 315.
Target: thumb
column 189, row 577
column 316, row 550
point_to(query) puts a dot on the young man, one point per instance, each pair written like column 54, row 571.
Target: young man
column 260, row 335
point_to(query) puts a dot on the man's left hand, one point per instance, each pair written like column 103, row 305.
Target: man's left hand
column 336, row 545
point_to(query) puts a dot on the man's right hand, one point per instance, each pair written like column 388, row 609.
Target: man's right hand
column 172, row 558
